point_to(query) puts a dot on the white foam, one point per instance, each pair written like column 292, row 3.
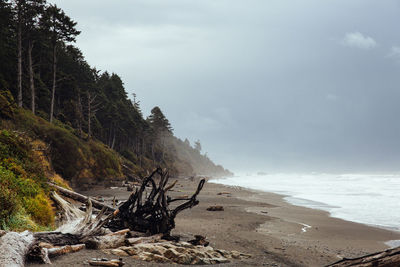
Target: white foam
column 305, row 227
column 367, row 199
column 393, row 243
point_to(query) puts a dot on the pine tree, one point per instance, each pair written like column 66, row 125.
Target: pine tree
column 60, row 29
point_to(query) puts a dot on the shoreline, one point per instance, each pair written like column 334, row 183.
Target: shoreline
column 262, row 224
column 283, row 198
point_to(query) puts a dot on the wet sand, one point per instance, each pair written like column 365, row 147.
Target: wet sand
column 258, row 223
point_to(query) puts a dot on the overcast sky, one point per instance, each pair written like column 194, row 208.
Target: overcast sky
column 266, row 85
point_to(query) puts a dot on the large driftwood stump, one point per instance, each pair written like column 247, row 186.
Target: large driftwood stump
column 151, row 213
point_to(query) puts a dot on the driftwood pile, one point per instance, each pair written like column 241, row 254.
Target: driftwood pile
column 146, row 216
column 163, row 251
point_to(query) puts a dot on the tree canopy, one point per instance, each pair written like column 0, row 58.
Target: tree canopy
column 48, row 74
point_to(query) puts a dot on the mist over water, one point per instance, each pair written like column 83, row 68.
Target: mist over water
column 368, row 199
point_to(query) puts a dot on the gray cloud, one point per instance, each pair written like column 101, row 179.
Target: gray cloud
column 260, row 83
column 358, row 40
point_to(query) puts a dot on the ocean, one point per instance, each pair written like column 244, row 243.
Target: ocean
column 368, row 199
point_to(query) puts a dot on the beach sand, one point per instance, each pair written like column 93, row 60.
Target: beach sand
column 262, row 224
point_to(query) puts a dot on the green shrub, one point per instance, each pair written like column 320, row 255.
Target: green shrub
column 8, row 202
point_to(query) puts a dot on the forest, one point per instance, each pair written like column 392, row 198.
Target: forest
column 60, row 117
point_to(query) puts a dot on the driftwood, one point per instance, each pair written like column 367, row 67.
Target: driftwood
column 151, row 213
column 13, row 248
column 102, row 242
column 53, row 252
column 199, row 240
column 146, row 212
column 215, row 208
column 81, row 198
column 387, row 258
column 107, row 263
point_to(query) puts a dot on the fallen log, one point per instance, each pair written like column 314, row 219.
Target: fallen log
column 57, row 238
column 107, row 263
column 81, row 198
column 53, row 252
column 387, row 258
column 13, row 248
column 144, row 239
column 107, row 241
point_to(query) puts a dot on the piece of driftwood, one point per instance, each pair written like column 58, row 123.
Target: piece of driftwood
column 57, row 251
column 215, row 208
column 199, row 240
column 106, row 241
column 145, row 239
column 149, row 211
column 121, row 232
column 57, row 238
column 14, row 247
column 81, row 198
column 107, row 263
column 387, row 258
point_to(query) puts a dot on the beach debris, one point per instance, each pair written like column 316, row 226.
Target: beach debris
column 106, row 262
column 13, row 247
column 151, row 212
column 81, row 198
column 223, row 193
column 215, row 208
column 177, row 252
column 387, row 258
column 106, row 241
column 144, row 218
column 199, row 241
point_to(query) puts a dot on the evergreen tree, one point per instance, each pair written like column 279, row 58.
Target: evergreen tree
column 60, row 28
column 197, row 146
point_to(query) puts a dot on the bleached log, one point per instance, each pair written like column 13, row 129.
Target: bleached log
column 387, row 258
column 102, row 242
column 13, row 248
column 81, row 198
column 121, row 232
column 144, row 239
column 107, row 263
column 53, row 252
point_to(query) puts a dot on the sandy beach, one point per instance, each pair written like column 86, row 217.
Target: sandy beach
column 262, row 224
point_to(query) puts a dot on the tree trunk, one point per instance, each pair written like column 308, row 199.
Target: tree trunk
column 387, row 258
column 53, row 91
column 14, row 247
column 19, row 56
column 81, row 198
column 80, row 115
column 31, row 76
column 89, row 115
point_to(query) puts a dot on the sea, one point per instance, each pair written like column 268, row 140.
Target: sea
column 368, row 199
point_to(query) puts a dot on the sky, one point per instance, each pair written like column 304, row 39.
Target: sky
column 265, row 85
